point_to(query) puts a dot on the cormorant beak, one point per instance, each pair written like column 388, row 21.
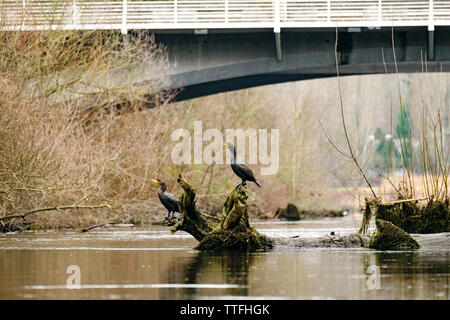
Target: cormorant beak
column 155, row 181
column 225, row 144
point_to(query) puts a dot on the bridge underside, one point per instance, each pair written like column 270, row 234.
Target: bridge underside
column 204, row 63
column 208, row 88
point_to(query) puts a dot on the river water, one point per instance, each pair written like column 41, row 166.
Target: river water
column 150, row 263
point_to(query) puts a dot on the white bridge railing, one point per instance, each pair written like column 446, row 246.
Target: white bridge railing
column 220, row 14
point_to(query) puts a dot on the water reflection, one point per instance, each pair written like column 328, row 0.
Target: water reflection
column 414, row 275
column 230, row 268
column 316, row 274
column 140, row 265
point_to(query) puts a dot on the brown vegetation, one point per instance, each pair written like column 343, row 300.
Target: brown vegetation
column 430, row 151
column 70, row 136
column 62, row 142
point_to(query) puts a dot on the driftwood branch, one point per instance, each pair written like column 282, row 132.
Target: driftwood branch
column 55, row 208
column 192, row 221
column 231, row 231
column 95, row 226
column 404, row 200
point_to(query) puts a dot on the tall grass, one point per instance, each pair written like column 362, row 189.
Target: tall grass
column 432, row 154
column 424, row 153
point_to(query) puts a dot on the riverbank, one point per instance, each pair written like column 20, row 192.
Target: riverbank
column 141, row 213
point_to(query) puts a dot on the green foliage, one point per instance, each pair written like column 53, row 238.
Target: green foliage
column 379, row 134
column 240, row 238
column 387, row 153
column 387, row 156
column 403, row 133
column 403, row 126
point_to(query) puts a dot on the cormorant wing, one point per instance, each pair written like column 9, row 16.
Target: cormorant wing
column 247, row 171
column 171, row 198
column 169, row 201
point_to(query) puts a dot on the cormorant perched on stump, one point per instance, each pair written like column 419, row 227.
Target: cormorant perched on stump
column 167, row 199
column 241, row 170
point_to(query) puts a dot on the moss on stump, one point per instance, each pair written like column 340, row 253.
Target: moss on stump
column 434, row 217
column 243, row 240
column 409, row 215
column 231, row 231
column 391, row 237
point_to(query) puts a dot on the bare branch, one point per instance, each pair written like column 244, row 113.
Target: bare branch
column 55, row 208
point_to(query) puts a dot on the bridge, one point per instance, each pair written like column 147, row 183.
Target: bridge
column 219, row 45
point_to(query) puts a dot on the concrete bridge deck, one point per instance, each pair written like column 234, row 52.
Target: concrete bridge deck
column 220, row 45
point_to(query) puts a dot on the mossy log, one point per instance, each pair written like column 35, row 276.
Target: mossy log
column 409, row 215
column 230, row 231
column 391, row 237
column 191, row 220
column 433, row 217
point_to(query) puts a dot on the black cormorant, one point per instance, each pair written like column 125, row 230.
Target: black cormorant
column 241, row 170
column 167, row 199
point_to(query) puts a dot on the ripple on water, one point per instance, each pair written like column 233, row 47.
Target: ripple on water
column 98, row 248
column 151, row 263
column 141, row 286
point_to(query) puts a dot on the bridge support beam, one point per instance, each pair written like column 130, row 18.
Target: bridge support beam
column 124, row 27
column 278, row 51
column 430, row 55
column 225, row 61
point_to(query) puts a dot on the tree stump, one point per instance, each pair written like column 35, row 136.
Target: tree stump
column 230, row 231
column 391, row 237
